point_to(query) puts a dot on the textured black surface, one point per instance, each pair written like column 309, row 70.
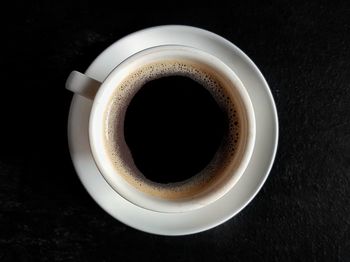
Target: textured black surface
column 301, row 214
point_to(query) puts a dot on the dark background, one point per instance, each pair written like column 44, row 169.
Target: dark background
column 301, row 214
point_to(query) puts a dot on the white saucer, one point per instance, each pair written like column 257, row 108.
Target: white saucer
column 249, row 184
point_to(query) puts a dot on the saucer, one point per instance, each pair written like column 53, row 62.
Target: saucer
column 246, row 188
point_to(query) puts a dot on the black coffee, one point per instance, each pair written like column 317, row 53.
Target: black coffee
column 172, row 130
column 173, row 127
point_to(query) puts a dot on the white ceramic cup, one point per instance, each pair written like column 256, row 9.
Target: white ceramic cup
column 101, row 93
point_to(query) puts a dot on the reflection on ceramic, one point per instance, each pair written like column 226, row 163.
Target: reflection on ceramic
column 252, row 179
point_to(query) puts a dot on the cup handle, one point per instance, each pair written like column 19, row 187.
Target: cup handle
column 82, row 85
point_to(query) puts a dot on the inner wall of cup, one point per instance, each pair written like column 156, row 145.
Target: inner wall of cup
column 125, row 167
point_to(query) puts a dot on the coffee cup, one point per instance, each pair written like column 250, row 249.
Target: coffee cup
column 140, row 141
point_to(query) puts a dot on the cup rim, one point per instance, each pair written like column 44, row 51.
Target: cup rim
column 126, row 190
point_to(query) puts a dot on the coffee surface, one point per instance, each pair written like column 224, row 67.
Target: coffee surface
column 173, row 127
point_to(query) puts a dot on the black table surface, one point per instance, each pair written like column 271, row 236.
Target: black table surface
column 301, row 214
